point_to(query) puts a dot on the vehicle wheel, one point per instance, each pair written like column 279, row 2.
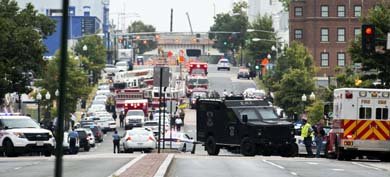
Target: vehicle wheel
column 211, row 146
column 217, row 69
column 339, row 153
column 384, row 158
column 289, row 151
column 9, row 149
column 184, row 148
column 47, row 153
column 228, row 69
column 92, row 145
column 247, row 147
column 86, row 148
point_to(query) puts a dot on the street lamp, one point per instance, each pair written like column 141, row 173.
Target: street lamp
column 312, row 97
column 57, row 93
column 85, row 48
column 39, row 98
column 304, row 99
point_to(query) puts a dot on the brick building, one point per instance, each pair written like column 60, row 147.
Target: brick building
column 326, row 27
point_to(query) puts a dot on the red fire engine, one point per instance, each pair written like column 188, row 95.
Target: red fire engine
column 361, row 124
column 122, row 95
column 197, row 68
column 196, row 82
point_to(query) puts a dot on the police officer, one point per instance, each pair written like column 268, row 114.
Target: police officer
column 72, row 139
column 115, row 141
column 306, row 134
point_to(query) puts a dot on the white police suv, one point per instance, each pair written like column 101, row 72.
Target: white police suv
column 20, row 134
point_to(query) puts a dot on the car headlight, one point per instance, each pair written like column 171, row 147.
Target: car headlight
column 19, row 135
column 50, row 134
column 259, row 133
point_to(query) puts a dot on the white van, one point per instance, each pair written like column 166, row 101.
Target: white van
column 223, row 63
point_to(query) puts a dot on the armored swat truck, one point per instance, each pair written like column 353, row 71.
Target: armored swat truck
column 250, row 127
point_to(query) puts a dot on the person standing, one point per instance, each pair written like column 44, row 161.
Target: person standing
column 72, row 139
column 114, row 116
column 306, row 134
column 121, row 119
column 115, row 141
column 178, row 123
column 319, row 136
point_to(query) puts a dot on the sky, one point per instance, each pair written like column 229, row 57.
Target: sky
column 157, row 13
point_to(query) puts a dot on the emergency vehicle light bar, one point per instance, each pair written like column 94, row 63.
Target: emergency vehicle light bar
column 9, row 114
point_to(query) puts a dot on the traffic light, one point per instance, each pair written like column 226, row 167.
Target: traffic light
column 368, row 38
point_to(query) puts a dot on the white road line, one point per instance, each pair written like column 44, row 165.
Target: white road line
column 312, row 163
column 365, row 166
column 338, row 169
column 273, row 164
column 17, row 168
column 293, row 173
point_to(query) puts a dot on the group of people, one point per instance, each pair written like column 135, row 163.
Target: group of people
column 121, row 118
column 307, row 133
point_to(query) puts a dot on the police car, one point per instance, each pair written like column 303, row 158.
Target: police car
column 20, row 134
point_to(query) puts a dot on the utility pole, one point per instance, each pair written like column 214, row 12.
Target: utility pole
column 171, row 20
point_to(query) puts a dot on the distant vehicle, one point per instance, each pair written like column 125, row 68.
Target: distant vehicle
column 223, row 63
column 134, row 118
column 98, row 133
column 138, row 139
column 104, row 87
column 243, row 73
column 103, row 92
column 248, row 126
column 97, row 108
column 140, row 60
column 197, row 69
column 152, row 125
column 180, row 141
column 83, row 139
column 197, row 94
column 122, row 66
column 109, row 69
column 100, row 97
column 196, row 82
column 90, row 138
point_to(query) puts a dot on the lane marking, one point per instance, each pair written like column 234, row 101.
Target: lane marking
column 273, row 164
column 338, row 169
column 17, row 168
column 366, row 166
column 128, row 165
column 312, row 163
column 293, row 173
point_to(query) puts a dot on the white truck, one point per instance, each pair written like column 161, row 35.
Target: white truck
column 20, row 134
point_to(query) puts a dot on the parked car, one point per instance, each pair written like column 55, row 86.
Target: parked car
column 180, row 141
column 301, row 145
column 98, row 133
column 91, row 138
column 223, row 63
column 195, row 95
column 122, row 66
column 138, row 139
column 66, row 146
column 83, row 139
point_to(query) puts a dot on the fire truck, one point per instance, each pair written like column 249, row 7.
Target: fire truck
column 361, row 124
column 197, row 68
column 196, row 82
column 127, row 95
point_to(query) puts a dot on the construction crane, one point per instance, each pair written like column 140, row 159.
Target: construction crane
column 189, row 21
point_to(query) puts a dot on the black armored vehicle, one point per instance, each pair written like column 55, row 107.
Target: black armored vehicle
column 250, row 127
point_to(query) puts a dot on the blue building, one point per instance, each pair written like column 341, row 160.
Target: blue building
column 85, row 17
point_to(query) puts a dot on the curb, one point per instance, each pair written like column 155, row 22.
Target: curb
column 128, row 165
column 164, row 166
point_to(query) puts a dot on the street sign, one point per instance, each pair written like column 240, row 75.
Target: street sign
column 157, row 76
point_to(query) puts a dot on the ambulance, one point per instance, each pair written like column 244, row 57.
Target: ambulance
column 361, row 125
column 197, row 69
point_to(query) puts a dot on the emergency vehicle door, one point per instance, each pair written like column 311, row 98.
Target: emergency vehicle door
column 364, row 122
column 231, row 128
column 381, row 126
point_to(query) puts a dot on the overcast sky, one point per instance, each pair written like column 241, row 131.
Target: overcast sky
column 157, row 13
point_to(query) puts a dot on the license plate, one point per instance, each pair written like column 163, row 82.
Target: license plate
column 40, row 143
column 348, row 143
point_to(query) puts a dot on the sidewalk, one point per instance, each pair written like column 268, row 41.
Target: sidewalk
column 147, row 166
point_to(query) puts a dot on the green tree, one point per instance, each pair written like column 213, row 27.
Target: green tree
column 378, row 61
column 143, row 45
column 262, row 24
column 294, row 83
column 296, row 56
column 286, row 4
column 315, row 112
column 76, row 84
column 226, row 22
column 21, row 47
column 95, row 54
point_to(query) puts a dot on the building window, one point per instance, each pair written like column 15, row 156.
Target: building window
column 341, row 34
column 341, row 11
column 298, row 11
column 356, row 32
column 357, row 11
column 341, row 59
column 324, row 35
column 324, row 11
column 298, row 33
column 324, row 59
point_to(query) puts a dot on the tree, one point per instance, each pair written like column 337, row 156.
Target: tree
column 260, row 49
column 296, row 56
column 379, row 60
column 286, row 4
column 143, row 45
column 76, row 83
column 292, row 86
column 315, row 112
column 237, row 23
column 95, row 54
column 21, row 49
